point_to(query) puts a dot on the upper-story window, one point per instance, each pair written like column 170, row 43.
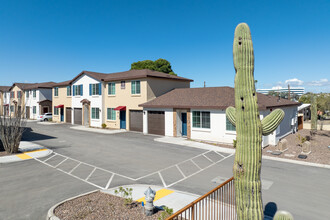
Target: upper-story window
column 12, row 95
column 95, row 89
column 77, row 90
column 122, row 84
column 68, row 91
column 5, row 95
column 229, row 126
column 201, row 119
column 56, row 91
column 34, row 93
column 111, row 88
column 19, row 94
column 27, row 94
column 135, row 87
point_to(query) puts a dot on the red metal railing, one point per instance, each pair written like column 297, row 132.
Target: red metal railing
column 218, row 204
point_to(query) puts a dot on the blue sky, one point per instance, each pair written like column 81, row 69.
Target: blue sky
column 55, row 40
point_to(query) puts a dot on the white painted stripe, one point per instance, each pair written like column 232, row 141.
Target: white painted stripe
column 109, row 182
column 61, row 162
column 219, row 153
column 208, row 158
column 90, row 174
column 180, row 171
column 196, row 164
column 160, row 175
column 50, row 157
column 74, row 168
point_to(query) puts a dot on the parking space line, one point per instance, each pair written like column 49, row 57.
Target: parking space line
column 218, row 153
column 109, row 182
column 180, row 171
column 61, row 162
column 195, row 164
column 208, row 158
column 50, row 157
column 74, row 168
column 162, row 179
column 90, row 174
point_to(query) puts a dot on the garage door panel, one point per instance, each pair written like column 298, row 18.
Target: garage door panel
column 156, row 122
column 78, row 116
column 136, row 120
column 68, row 115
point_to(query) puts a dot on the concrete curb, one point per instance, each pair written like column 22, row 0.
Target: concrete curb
column 50, row 213
column 297, row 162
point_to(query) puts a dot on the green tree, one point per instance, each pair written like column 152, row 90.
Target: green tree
column 160, row 65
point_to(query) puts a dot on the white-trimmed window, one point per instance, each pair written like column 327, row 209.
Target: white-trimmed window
column 111, row 114
column 77, row 90
column 56, row 91
column 229, row 126
column 68, row 91
column 34, row 108
column 55, row 111
column 11, row 108
column 135, row 87
column 201, row 119
column 122, row 84
column 112, row 88
column 34, row 93
column 27, row 94
column 95, row 113
column 95, row 89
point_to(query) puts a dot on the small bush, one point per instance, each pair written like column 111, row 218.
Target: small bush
column 167, row 213
column 301, row 139
column 104, row 125
column 126, row 194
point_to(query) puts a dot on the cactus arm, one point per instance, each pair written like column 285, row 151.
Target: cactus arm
column 231, row 115
column 283, row 215
column 272, row 121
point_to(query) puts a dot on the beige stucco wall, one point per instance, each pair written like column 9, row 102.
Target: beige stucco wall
column 123, row 97
column 1, row 103
column 20, row 102
column 61, row 99
column 157, row 86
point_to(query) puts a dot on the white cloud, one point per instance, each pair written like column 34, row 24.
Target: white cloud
column 321, row 82
column 294, row 82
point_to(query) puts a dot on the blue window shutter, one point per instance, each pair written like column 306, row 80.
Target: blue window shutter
column 74, row 91
column 90, row 89
column 81, row 90
column 100, row 89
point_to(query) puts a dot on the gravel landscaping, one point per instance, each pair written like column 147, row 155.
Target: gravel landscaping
column 320, row 153
column 100, row 206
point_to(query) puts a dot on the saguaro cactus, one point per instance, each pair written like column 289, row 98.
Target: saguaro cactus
column 283, row 215
column 314, row 115
column 249, row 128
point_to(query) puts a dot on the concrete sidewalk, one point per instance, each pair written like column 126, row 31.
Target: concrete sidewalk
column 98, row 130
column 195, row 144
column 171, row 198
column 29, row 151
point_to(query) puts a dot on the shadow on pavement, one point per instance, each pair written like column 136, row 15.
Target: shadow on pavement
column 29, row 135
column 270, row 209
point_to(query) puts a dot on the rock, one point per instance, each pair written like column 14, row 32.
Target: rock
column 302, row 156
column 306, row 147
column 276, row 153
column 282, row 145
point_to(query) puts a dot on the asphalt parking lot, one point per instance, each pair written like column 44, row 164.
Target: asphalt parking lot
column 84, row 161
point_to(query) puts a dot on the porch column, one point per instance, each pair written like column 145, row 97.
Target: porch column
column 145, row 122
column 174, row 123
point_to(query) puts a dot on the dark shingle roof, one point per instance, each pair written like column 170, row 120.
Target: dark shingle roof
column 130, row 74
column 4, row 88
column 60, row 84
column 210, row 98
column 27, row 86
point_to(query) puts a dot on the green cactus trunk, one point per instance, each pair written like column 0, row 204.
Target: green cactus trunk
column 249, row 129
column 314, row 114
column 247, row 166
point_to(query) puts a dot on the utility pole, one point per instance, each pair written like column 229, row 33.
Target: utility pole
column 204, row 84
column 289, row 92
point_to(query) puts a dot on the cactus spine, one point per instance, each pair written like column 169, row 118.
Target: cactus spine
column 249, row 129
column 283, row 215
column 314, row 115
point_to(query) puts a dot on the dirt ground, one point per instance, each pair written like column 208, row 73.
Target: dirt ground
column 100, row 206
column 320, row 153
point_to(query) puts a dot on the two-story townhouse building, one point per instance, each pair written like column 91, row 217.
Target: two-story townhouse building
column 125, row 91
column 17, row 98
column 112, row 99
column 38, row 99
column 62, row 102
column 4, row 100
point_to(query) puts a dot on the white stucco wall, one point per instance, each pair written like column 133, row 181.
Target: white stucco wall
column 6, row 101
column 168, row 120
column 96, row 100
column 33, row 101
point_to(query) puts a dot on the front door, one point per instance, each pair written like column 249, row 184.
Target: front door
column 27, row 111
column 122, row 119
column 44, row 110
column 62, row 114
column 184, row 124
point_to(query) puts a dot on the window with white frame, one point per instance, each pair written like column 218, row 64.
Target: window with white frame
column 95, row 113
column 122, row 84
column 135, row 87
column 34, row 93
column 11, row 108
column 56, row 111
column 19, row 94
column 27, row 94
column 34, row 108
column 95, row 89
column 229, row 126
column 56, row 91
column 111, row 114
column 77, row 90
column 111, row 88
column 201, row 119
column 68, row 91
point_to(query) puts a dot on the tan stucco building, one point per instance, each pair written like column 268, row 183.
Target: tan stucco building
column 4, row 100
column 62, row 102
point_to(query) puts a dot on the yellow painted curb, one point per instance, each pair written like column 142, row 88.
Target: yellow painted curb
column 34, row 151
column 159, row 194
column 23, row 156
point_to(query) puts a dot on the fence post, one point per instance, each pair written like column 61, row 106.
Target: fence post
column 193, row 212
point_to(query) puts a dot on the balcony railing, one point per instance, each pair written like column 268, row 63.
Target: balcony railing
column 218, row 204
